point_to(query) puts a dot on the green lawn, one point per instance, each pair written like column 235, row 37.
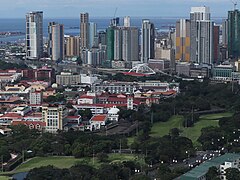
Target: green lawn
column 162, row 128
column 67, row 162
column 60, row 162
column 116, row 157
column 4, row 178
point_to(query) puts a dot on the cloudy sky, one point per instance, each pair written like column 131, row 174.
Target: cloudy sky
column 106, row 8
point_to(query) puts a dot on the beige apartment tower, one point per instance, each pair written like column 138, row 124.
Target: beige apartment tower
column 183, row 40
column 72, row 46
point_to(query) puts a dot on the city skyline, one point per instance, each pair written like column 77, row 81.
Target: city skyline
column 97, row 8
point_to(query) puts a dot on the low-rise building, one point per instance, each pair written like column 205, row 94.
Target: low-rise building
column 223, row 72
column 97, row 121
column 35, row 97
column 53, row 116
column 68, row 79
column 113, row 114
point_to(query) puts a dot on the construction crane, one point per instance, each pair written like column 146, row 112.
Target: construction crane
column 115, row 12
column 235, row 5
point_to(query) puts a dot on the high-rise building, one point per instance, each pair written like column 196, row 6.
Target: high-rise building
column 92, row 34
column 201, row 35
column 216, row 34
column 126, row 21
column 56, row 41
column 130, row 44
column 34, row 35
column 117, row 44
column 225, row 33
column 110, row 43
column 234, row 33
column 102, row 38
column 183, row 40
column 147, row 41
column 72, row 46
column 84, row 30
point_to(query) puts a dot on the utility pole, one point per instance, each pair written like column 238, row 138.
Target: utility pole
column 120, row 146
column 152, row 117
column 2, row 162
column 22, row 155
column 93, row 157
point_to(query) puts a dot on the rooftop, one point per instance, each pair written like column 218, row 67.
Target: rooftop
column 202, row 169
column 99, row 117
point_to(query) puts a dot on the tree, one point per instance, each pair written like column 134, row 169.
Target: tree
column 175, row 132
column 232, row 174
column 47, row 173
column 102, row 157
column 4, row 153
column 212, row 173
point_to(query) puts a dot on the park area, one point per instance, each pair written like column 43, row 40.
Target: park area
column 160, row 129
column 67, row 161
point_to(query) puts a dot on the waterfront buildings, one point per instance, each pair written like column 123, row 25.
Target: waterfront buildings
column 201, row 35
column 34, row 35
column 147, row 41
column 56, row 41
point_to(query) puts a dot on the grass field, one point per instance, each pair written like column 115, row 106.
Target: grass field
column 162, row 128
column 60, row 162
column 67, row 162
column 4, row 178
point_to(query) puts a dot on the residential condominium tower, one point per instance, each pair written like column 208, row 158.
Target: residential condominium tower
column 34, row 35
column 147, row 41
column 183, row 40
column 72, row 46
column 56, row 41
column 84, row 30
column 201, row 35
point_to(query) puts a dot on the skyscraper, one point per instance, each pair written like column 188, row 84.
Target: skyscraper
column 216, row 34
column 147, row 41
column 92, row 34
column 201, row 35
column 56, row 41
column 183, row 40
column 110, row 43
column 130, row 44
column 225, row 33
column 72, row 46
column 234, row 33
column 117, row 44
column 84, row 30
column 34, row 35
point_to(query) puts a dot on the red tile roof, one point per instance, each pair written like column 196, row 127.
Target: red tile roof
column 27, row 123
column 87, row 97
column 11, row 115
column 73, row 117
column 101, row 117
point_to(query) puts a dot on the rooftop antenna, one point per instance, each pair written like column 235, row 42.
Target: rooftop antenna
column 234, row 4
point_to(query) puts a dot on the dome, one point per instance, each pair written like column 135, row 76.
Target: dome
column 113, row 110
